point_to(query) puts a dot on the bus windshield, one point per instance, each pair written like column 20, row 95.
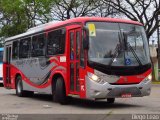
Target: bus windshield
column 1, row 56
column 117, row 44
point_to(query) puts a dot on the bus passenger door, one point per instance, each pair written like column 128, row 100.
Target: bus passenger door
column 8, row 67
column 75, row 39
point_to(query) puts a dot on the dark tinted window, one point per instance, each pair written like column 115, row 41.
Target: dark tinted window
column 82, row 52
column 24, row 48
column 56, row 42
column 77, row 44
column 1, row 56
column 38, row 45
column 15, row 50
column 72, row 45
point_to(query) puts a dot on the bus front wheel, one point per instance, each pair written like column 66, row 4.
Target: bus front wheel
column 60, row 92
column 19, row 89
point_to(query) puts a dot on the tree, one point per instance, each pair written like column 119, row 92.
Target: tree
column 12, row 19
column 37, row 11
column 144, row 11
column 2, row 41
column 16, row 16
column 105, row 10
column 66, row 9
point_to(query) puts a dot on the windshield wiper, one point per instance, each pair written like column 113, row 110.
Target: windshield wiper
column 134, row 53
column 115, row 55
column 127, row 45
column 117, row 49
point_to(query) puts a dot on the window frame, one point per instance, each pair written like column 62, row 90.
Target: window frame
column 83, row 52
column 13, row 50
column 63, row 29
column 23, row 38
column 45, row 44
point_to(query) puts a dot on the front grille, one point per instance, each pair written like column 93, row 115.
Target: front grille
column 117, row 92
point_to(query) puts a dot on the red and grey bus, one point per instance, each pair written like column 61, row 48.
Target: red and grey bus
column 86, row 57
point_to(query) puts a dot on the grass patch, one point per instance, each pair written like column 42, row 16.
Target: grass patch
column 155, row 82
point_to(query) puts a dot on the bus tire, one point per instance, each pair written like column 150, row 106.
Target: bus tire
column 19, row 89
column 110, row 100
column 60, row 92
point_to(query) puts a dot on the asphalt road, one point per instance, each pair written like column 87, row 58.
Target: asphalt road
column 42, row 104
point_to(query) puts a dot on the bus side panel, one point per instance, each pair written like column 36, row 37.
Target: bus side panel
column 14, row 73
column 62, row 71
column 58, row 68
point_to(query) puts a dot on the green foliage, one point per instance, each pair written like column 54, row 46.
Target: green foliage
column 16, row 16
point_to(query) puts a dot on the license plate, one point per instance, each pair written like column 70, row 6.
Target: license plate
column 127, row 95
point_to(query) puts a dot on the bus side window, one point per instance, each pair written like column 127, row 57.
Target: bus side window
column 72, row 45
column 38, row 45
column 15, row 50
column 77, row 45
column 56, row 42
column 24, row 49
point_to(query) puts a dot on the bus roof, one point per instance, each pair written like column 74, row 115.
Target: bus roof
column 50, row 25
column 1, row 49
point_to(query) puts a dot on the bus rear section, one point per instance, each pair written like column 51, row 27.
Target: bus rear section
column 87, row 58
column 1, row 65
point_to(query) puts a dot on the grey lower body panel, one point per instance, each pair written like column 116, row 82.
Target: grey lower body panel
column 102, row 91
column 28, row 87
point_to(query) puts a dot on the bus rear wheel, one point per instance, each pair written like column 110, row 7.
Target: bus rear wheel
column 110, row 100
column 19, row 89
column 60, row 92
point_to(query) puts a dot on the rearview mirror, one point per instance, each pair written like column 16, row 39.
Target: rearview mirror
column 85, row 38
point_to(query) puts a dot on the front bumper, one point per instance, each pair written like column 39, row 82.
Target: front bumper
column 101, row 91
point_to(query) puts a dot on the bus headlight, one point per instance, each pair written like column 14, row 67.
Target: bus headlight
column 94, row 77
column 148, row 78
